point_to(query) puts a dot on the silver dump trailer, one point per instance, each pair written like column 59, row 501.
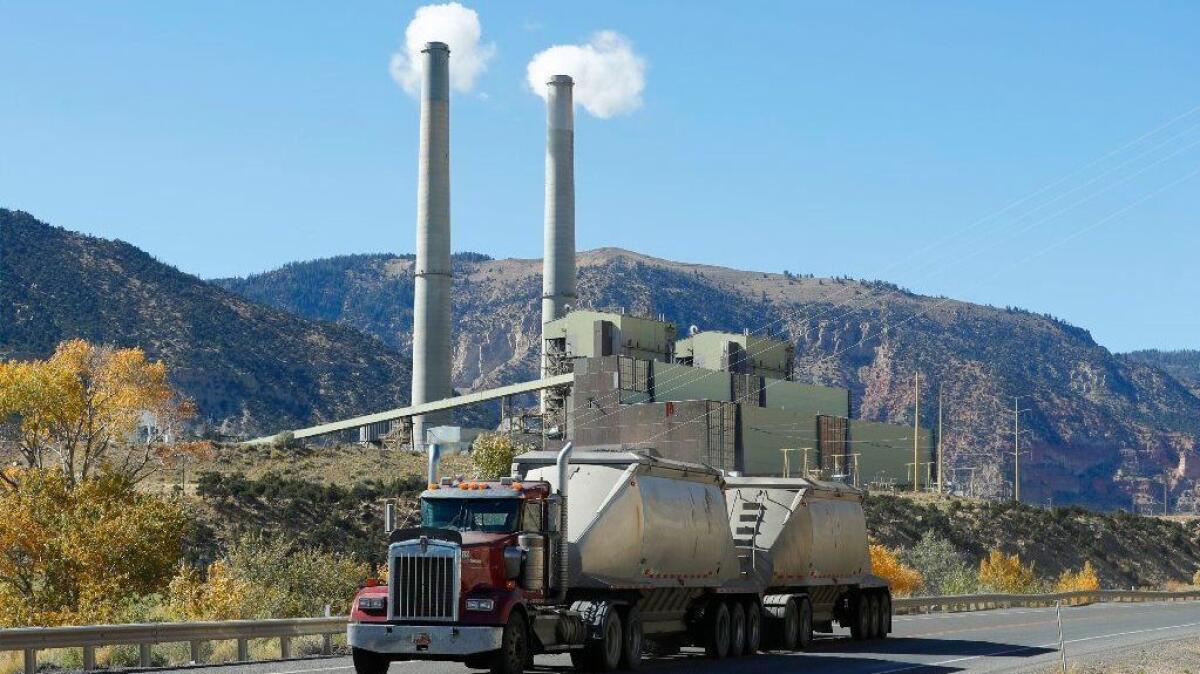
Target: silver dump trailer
column 647, row 554
column 783, row 557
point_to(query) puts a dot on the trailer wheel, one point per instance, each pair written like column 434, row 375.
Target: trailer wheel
column 874, row 616
column 885, row 615
column 860, row 618
column 631, row 642
column 737, row 629
column 804, row 625
column 369, row 662
column 753, row 627
column 716, row 630
column 514, row 647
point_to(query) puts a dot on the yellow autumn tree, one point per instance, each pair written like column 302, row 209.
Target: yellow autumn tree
column 88, row 409
column 1083, row 580
column 75, row 552
column 903, row 580
column 1005, row 573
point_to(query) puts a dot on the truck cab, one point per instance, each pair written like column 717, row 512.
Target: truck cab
column 459, row 585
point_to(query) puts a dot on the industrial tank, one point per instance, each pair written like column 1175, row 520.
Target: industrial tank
column 638, row 521
column 799, row 530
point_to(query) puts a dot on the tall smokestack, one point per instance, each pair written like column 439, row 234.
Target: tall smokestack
column 558, row 261
column 431, row 303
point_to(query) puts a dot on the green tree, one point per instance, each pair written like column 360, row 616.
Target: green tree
column 492, row 454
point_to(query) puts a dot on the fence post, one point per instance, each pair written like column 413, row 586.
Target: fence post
column 243, row 650
column 285, row 648
column 194, row 646
column 144, row 655
column 89, row 658
column 30, row 661
column 326, row 644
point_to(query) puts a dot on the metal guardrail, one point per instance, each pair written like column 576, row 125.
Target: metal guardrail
column 145, row 635
column 977, row 602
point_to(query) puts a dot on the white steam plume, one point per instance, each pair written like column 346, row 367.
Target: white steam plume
column 609, row 76
column 459, row 28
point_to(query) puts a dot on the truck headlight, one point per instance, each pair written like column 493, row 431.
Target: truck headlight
column 481, row 605
column 372, row 604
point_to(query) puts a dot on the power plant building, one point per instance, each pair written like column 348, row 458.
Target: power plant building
column 637, row 388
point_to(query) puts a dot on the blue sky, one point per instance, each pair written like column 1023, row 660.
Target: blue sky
column 1017, row 153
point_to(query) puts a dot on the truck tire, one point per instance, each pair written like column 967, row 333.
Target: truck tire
column 737, row 629
column 603, row 652
column 885, row 616
column 873, row 616
column 631, row 640
column 860, row 617
column 753, row 627
column 369, row 662
column 514, row 647
column 785, row 621
column 804, row 624
column 716, row 630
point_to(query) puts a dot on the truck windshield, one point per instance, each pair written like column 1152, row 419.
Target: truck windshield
column 491, row 515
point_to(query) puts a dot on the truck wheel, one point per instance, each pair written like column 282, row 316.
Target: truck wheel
column 368, row 662
column 716, row 630
column 737, row 629
column 631, row 641
column 873, row 616
column 860, row 624
column 514, row 647
column 753, row 627
column 885, row 616
column 804, row 625
column 603, row 654
column 787, row 627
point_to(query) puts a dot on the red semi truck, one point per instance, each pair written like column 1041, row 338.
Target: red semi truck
column 605, row 554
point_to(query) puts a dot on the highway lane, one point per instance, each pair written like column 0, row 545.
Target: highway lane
column 1012, row 640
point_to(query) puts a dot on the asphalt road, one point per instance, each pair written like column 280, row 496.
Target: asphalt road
column 1014, row 640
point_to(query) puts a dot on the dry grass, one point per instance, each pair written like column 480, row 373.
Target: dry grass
column 342, row 465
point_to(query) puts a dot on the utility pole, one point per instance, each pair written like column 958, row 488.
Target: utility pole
column 939, row 442
column 1016, row 449
column 916, row 432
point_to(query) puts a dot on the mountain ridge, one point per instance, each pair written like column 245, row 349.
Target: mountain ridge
column 250, row 365
column 1103, row 427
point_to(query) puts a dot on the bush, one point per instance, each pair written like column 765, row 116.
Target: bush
column 1084, row 580
column 267, row 578
column 1005, row 573
column 903, row 580
column 944, row 571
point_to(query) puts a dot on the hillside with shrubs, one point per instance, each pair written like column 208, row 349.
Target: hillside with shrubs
column 961, row 546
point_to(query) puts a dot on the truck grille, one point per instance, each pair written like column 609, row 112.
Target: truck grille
column 424, row 584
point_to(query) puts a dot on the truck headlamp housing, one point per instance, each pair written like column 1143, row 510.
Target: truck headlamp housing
column 481, row 605
column 377, row 604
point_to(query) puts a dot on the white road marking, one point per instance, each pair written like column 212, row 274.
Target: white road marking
column 1053, row 645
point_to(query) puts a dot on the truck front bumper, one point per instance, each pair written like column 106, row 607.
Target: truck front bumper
column 418, row 640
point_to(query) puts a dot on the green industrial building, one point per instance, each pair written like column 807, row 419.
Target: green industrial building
column 723, row 399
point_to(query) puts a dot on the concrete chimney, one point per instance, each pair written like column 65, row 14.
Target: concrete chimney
column 431, row 302
column 558, row 261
